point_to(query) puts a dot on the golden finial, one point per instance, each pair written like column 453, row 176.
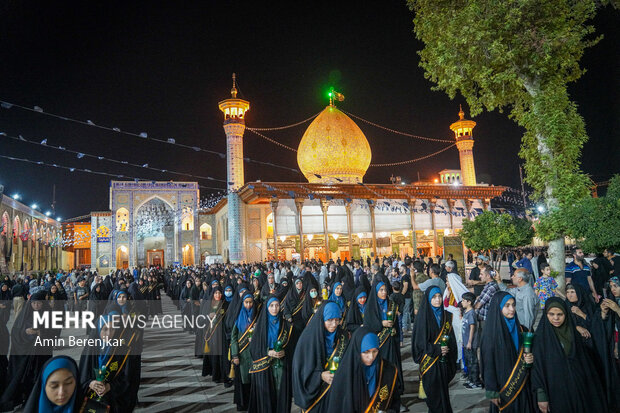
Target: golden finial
column 233, row 91
column 461, row 113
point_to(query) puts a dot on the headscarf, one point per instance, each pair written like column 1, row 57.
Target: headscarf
column 369, row 342
column 274, row 325
column 124, row 308
column 511, row 323
column 361, row 307
column 245, row 316
column 228, row 299
column 57, row 363
column 437, row 311
column 330, row 311
column 565, row 331
column 337, row 299
column 382, row 302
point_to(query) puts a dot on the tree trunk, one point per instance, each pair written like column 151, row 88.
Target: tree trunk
column 556, row 246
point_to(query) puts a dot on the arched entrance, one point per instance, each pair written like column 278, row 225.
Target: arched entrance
column 155, row 231
column 188, row 255
column 122, row 257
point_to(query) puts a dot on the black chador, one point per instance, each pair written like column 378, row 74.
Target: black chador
column 436, row 372
column 355, row 316
column 27, row 358
column 214, row 311
column 506, row 376
column 564, row 375
column 364, row 381
column 379, row 309
column 245, row 315
column 317, row 348
column 270, row 375
column 108, row 365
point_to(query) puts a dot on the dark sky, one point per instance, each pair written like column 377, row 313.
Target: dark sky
column 163, row 68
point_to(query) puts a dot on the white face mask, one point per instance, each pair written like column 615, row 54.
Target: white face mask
column 313, row 294
column 228, row 293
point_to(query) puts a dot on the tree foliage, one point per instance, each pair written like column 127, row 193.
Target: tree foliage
column 518, row 55
column 595, row 222
column 493, row 231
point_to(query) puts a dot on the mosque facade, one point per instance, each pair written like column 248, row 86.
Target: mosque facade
column 334, row 215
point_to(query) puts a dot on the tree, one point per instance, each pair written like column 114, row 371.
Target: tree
column 491, row 231
column 518, row 55
column 594, row 222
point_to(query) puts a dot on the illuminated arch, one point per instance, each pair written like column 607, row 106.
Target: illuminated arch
column 122, row 220
column 270, row 225
column 206, row 232
column 187, row 219
column 188, row 254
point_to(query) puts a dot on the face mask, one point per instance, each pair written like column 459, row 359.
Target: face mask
column 313, row 294
column 228, row 293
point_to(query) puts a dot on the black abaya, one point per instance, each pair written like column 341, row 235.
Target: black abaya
column 426, row 350
column 311, row 360
column 499, row 358
column 264, row 398
column 569, row 381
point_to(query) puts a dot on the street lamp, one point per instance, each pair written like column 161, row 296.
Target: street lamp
column 540, row 208
column 16, row 196
column 48, row 213
column 58, row 219
column 34, row 206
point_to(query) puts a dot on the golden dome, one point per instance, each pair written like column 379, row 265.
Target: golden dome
column 333, row 147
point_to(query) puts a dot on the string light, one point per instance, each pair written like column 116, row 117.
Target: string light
column 81, row 155
column 395, row 131
column 141, row 135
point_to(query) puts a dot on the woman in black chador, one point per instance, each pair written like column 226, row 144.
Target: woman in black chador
column 104, row 374
column 564, row 377
column 270, row 372
column 241, row 335
column 379, row 316
column 355, row 316
column 364, row 381
column 57, row 388
column 293, row 309
column 215, row 349
column 6, row 303
column 312, row 299
column 437, row 362
column 26, row 358
column 189, row 301
column 321, row 342
column 505, row 365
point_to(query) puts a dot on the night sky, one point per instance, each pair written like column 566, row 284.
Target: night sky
column 162, row 69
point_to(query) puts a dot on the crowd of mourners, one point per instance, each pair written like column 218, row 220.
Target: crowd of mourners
column 329, row 337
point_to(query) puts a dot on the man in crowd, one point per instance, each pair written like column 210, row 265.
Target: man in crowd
column 525, row 296
column 578, row 272
column 474, row 275
column 434, row 281
column 484, row 299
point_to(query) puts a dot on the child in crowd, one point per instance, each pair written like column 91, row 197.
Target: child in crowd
column 399, row 299
column 546, row 286
column 470, row 341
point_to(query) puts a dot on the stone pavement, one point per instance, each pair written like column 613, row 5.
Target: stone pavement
column 172, row 380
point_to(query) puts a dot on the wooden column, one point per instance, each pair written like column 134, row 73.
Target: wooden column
column 486, row 204
column 468, row 207
column 274, row 208
column 372, row 227
column 324, row 207
column 347, row 206
column 414, row 237
column 451, row 203
column 299, row 203
column 431, row 206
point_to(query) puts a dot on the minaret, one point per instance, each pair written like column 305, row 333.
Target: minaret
column 234, row 125
column 463, row 132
